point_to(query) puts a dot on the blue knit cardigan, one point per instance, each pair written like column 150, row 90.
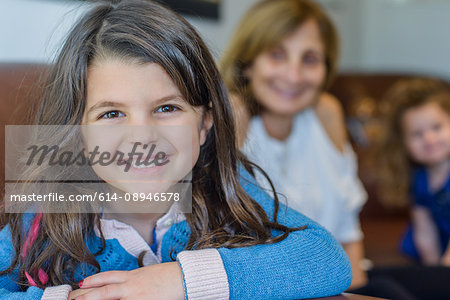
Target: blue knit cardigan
column 309, row 263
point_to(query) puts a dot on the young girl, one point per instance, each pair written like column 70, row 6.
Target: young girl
column 137, row 63
column 277, row 67
column 416, row 150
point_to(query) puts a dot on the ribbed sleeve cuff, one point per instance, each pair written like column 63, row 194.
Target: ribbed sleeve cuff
column 204, row 274
column 60, row 292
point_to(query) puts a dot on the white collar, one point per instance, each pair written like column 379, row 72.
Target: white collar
column 133, row 242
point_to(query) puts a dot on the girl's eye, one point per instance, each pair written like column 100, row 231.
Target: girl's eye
column 167, row 109
column 111, row 115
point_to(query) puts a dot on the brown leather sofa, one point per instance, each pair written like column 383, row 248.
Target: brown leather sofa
column 20, row 86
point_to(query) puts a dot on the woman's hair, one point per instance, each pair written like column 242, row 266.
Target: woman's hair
column 223, row 214
column 264, row 27
column 397, row 165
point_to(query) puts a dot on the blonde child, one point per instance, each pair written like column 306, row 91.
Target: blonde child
column 416, row 150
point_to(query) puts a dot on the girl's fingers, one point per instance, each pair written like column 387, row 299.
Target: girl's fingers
column 107, row 292
column 74, row 294
column 104, row 278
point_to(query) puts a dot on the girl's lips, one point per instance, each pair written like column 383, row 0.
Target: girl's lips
column 144, row 161
column 142, row 167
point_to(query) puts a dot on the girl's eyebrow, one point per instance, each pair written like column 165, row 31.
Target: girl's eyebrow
column 102, row 104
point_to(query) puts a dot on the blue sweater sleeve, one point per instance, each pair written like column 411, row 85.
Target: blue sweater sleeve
column 8, row 287
column 31, row 293
column 308, row 263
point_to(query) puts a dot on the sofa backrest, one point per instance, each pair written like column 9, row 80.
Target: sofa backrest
column 20, row 88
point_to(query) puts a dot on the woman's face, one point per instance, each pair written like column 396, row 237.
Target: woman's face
column 288, row 78
column 132, row 108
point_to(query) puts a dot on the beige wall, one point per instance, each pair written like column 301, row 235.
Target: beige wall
column 377, row 35
column 32, row 30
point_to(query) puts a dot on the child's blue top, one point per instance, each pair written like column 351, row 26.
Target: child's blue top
column 438, row 202
column 439, row 205
column 309, row 263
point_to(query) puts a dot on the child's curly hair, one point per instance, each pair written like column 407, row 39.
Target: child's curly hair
column 396, row 164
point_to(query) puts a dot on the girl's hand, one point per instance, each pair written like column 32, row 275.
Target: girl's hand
column 74, row 294
column 161, row 281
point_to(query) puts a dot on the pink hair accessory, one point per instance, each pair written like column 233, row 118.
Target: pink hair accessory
column 43, row 277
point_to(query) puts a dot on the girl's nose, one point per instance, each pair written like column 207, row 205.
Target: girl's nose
column 142, row 129
column 145, row 135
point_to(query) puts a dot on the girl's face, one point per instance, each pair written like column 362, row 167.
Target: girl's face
column 138, row 106
column 288, row 78
column 426, row 132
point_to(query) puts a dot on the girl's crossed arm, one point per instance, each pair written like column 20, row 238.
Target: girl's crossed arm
column 308, row 263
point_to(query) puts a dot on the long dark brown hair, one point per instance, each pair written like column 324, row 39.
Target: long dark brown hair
column 223, row 214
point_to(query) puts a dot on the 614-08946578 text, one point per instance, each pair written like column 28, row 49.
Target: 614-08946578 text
column 102, row 197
